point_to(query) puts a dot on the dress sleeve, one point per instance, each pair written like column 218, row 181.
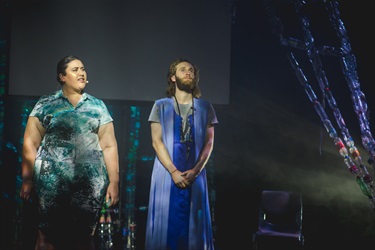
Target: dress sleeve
column 39, row 109
column 154, row 114
column 212, row 119
column 105, row 115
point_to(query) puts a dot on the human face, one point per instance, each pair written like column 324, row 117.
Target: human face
column 185, row 77
column 75, row 76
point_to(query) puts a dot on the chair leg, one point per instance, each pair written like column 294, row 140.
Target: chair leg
column 255, row 244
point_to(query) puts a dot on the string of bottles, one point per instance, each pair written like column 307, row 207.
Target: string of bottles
column 363, row 178
column 129, row 227
column 348, row 66
column 105, row 228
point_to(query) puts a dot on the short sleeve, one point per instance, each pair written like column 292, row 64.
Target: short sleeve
column 106, row 116
column 212, row 119
column 154, row 114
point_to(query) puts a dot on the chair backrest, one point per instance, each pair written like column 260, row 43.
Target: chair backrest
column 280, row 212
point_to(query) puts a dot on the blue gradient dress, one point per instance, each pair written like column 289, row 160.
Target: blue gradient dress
column 180, row 218
column 70, row 176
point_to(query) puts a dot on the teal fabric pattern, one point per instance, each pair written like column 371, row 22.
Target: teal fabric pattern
column 70, row 156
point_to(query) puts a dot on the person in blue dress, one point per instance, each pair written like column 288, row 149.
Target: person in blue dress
column 70, row 158
column 182, row 131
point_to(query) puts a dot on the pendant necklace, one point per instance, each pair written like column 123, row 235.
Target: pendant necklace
column 187, row 136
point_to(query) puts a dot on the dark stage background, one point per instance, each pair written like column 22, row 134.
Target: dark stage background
column 269, row 137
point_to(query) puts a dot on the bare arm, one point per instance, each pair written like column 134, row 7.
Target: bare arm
column 32, row 138
column 204, row 155
column 108, row 144
column 163, row 155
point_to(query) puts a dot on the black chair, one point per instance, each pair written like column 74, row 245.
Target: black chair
column 280, row 221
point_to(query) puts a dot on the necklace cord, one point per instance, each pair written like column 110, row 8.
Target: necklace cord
column 182, row 134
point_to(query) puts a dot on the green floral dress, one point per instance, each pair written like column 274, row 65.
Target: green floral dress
column 70, row 176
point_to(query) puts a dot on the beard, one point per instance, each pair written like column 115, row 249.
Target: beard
column 187, row 85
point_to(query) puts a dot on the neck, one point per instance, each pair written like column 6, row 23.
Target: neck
column 183, row 97
column 69, row 92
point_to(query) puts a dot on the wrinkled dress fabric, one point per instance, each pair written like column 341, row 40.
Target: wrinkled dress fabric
column 179, row 218
column 69, row 172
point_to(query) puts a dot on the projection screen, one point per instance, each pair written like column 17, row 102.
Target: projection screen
column 126, row 46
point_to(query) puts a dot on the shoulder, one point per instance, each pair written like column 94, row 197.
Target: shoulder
column 166, row 100
column 202, row 103
column 50, row 98
column 93, row 99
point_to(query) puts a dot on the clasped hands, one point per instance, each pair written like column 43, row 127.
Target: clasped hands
column 184, row 179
